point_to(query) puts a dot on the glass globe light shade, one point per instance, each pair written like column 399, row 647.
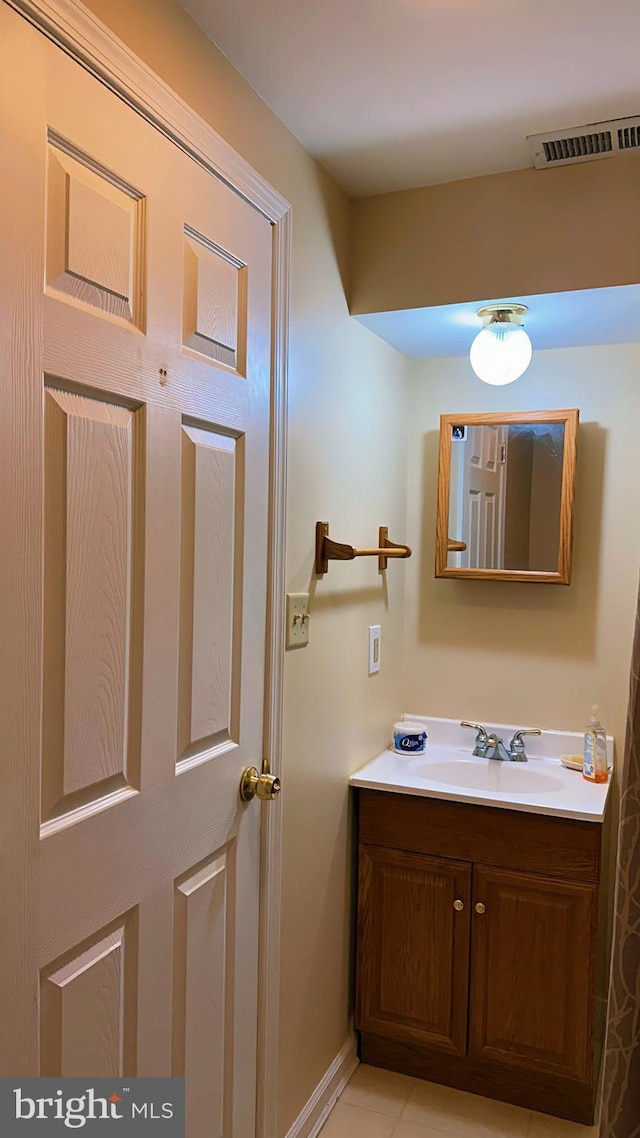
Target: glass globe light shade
column 500, row 353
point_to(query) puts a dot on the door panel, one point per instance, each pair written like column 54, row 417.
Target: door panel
column 86, row 1005
column 215, row 301
column 533, row 952
column 201, row 1014
column 95, row 233
column 413, row 948
column 150, row 402
column 208, row 575
column 90, row 503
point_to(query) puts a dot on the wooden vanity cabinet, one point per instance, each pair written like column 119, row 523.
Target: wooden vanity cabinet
column 532, row 999
column 477, row 946
column 414, row 964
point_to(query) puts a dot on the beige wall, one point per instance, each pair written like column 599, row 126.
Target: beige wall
column 515, row 234
column 534, row 655
column 346, row 410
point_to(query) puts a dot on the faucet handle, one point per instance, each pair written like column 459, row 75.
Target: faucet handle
column 482, row 731
column 480, row 748
column 516, row 746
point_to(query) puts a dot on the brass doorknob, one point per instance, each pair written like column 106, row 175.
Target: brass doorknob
column 480, row 908
column 256, row 785
column 458, row 906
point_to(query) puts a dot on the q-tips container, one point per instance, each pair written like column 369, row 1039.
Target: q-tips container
column 409, row 738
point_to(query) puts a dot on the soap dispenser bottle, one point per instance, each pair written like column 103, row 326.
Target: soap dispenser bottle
column 594, row 767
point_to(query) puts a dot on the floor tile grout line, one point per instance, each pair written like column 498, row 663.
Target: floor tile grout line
column 385, row 1113
column 365, row 1091
column 427, row 1128
column 369, row 1109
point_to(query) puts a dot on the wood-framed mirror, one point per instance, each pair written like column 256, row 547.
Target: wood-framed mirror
column 505, row 496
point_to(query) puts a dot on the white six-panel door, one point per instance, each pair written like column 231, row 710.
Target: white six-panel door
column 147, row 430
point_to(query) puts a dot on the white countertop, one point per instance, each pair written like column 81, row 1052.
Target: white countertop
column 540, row 786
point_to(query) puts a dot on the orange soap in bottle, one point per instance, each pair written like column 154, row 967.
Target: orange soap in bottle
column 594, row 766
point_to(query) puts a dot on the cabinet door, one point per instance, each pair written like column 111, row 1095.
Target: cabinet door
column 413, row 948
column 532, row 972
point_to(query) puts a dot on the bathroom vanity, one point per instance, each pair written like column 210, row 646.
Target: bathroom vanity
column 478, row 925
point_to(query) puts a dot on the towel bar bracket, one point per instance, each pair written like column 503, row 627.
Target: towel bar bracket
column 329, row 550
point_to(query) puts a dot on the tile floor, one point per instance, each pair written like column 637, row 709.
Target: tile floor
column 382, row 1104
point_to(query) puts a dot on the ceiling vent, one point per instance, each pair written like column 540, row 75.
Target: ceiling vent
column 585, row 143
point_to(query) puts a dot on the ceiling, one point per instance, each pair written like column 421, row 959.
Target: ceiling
column 554, row 320
column 390, row 94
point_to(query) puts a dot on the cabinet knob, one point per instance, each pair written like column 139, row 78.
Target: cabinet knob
column 480, row 908
column 458, row 906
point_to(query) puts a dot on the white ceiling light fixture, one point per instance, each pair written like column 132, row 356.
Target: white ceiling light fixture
column 501, row 352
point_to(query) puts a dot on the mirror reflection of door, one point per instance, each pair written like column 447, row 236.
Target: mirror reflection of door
column 478, row 497
column 505, row 496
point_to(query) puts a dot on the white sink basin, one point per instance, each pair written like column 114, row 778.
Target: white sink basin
column 487, row 774
column 450, row 772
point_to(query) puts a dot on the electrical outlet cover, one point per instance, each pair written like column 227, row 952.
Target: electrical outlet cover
column 375, row 636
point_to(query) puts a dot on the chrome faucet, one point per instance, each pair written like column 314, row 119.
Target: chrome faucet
column 492, row 746
column 480, row 749
column 496, row 748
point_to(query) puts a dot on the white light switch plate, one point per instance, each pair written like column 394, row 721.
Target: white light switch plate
column 297, row 620
column 375, row 635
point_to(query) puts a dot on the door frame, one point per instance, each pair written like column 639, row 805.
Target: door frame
column 69, row 25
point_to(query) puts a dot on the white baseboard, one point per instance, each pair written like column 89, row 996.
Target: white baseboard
column 314, row 1114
